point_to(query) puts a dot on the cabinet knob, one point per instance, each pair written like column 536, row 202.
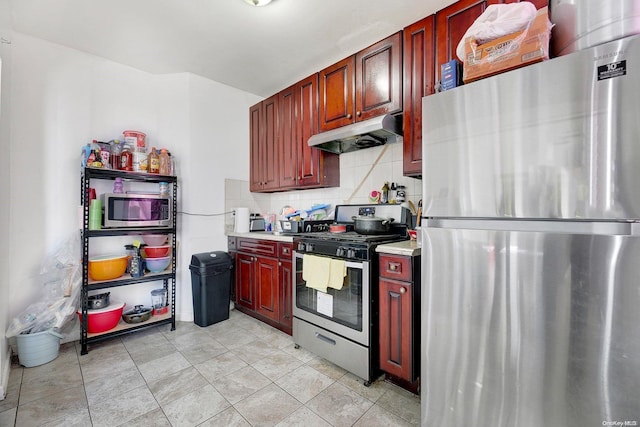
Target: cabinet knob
column 358, row 113
column 279, row 263
column 403, row 290
column 348, row 116
column 393, row 266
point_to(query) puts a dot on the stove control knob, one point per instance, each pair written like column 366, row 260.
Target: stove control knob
column 351, row 253
column 301, row 247
column 340, row 251
column 309, row 247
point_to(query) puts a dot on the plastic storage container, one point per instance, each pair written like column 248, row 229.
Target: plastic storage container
column 39, row 348
column 211, row 287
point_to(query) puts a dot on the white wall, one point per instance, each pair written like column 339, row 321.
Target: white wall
column 62, row 99
column 5, row 177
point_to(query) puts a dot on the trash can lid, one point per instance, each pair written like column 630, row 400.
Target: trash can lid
column 211, row 261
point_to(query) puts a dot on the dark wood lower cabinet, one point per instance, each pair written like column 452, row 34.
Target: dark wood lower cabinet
column 263, row 281
column 286, row 295
column 267, row 288
column 399, row 319
column 245, row 277
column 395, row 336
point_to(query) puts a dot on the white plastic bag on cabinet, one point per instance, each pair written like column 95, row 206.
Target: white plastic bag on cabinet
column 498, row 20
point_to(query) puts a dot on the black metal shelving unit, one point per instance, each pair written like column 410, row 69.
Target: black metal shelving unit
column 168, row 278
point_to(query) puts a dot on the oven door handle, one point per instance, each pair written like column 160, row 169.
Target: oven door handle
column 325, row 339
column 361, row 265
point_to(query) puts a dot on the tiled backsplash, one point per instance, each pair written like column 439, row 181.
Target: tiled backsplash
column 354, row 168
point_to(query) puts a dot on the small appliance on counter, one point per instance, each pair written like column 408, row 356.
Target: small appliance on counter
column 256, row 222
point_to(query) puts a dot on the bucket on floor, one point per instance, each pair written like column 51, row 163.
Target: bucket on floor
column 39, row 348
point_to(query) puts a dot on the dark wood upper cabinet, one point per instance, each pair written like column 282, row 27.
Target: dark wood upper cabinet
column 362, row 86
column 419, row 81
column 288, row 137
column 263, row 155
column 379, row 78
column 303, row 166
column 337, row 92
column 255, row 140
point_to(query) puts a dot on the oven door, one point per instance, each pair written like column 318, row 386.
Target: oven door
column 344, row 312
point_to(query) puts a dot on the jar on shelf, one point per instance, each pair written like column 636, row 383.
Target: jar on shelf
column 118, row 186
column 126, row 158
column 164, row 189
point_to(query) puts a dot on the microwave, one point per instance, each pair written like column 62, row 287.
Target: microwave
column 136, row 210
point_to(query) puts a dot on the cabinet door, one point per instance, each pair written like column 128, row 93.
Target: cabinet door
column 286, row 289
column 267, row 287
column 395, row 334
column 289, row 141
column 255, row 138
column 379, row 78
column 451, row 24
column 245, row 278
column 269, row 146
column 419, row 71
column 309, row 158
column 337, row 92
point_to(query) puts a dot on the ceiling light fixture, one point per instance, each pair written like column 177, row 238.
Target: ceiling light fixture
column 258, row 2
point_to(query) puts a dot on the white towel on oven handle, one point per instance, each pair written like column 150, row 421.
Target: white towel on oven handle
column 316, row 271
column 337, row 271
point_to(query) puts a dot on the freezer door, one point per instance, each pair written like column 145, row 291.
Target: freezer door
column 558, row 139
column 529, row 328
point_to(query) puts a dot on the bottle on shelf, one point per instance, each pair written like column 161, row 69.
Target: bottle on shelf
column 116, row 150
column 105, row 153
column 172, row 164
column 153, row 161
column 164, row 162
column 384, row 194
column 126, row 158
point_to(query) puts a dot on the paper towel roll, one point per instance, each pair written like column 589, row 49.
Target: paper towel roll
column 242, row 220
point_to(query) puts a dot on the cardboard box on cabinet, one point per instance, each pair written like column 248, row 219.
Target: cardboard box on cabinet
column 508, row 52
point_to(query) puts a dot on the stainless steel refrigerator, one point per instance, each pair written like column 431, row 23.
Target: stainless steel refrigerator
column 531, row 245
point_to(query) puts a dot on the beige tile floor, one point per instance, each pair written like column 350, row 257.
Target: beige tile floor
column 239, row 372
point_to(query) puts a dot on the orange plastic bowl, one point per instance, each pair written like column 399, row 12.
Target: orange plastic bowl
column 103, row 319
column 156, row 251
column 107, row 267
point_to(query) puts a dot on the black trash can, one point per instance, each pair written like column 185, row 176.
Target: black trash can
column 211, row 287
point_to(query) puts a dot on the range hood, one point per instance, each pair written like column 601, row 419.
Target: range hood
column 368, row 133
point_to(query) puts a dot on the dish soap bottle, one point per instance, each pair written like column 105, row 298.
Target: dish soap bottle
column 384, row 196
column 153, row 161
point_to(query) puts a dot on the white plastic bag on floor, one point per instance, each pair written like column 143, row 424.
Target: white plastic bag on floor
column 498, row 20
column 61, row 278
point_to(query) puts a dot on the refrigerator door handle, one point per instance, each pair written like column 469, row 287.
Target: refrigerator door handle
column 543, row 226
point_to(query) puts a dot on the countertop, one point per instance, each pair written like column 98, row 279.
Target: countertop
column 406, row 248
column 262, row 235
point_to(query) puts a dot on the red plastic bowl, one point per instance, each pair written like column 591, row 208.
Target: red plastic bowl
column 103, row 319
column 156, row 251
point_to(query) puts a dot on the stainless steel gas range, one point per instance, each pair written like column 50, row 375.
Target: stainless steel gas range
column 339, row 322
